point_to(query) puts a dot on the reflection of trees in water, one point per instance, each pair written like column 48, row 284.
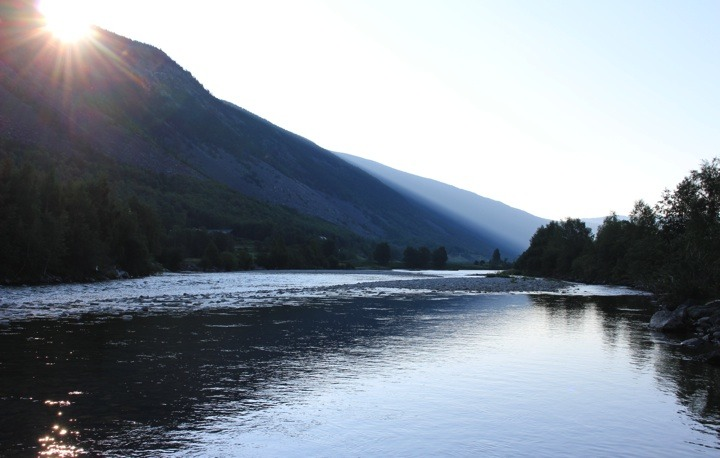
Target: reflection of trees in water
column 695, row 383
column 624, row 322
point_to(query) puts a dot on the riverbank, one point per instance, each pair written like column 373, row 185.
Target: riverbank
column 697, row 324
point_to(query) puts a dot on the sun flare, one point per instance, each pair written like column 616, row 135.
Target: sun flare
column 68, row 20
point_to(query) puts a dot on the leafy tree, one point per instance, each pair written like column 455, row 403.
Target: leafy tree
column 411, row 258
column 382, row 254
column 495, row 260
column 278, row 254
column 171, row 257
column 228, row 261
column 245, row 260
column 439, row 258
column 211, row 257
column 554, row 248
column 689, row 220
column 644, row 218
column 612, row 244
column 673, row 249
column 149, row 225
column 85, row 251
column 695, row 203
column 647, row 252
column 420, row 258
column 329, row 247
column 130, row 248
column 424, row 257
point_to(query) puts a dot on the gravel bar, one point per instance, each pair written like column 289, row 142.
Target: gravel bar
column 474, row 284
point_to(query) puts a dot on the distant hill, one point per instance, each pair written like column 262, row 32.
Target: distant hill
column 595, row 223
column 124, row 109
column 509, row 227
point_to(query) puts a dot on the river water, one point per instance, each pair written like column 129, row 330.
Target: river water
column 284, row 364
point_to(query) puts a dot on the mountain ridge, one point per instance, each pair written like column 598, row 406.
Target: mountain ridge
column 131, row 103
column 512, row 227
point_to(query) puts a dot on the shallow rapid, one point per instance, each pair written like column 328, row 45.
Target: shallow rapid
column 346, row 364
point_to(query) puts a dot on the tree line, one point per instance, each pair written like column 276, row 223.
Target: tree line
column 672, row 249
column 413, row 258
column 50, row 229
column 71, row 229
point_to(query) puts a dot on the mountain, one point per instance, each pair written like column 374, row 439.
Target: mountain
column 594, row 223
column 123, row 107
column 509, row 227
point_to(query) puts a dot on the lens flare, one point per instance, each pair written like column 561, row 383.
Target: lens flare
column 69, row 20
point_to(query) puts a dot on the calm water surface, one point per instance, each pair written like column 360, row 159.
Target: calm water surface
column 270, row 365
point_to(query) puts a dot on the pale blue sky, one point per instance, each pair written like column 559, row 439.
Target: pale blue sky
column 559, row 108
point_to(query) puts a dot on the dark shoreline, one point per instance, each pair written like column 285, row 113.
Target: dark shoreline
column 696, row 325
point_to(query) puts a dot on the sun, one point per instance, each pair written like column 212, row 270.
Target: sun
column 68, row 20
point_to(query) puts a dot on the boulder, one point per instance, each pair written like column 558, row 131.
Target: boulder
column 713, row 358
column 701, row 319
column 695, row 342
column 698, row 312
column 668, row 321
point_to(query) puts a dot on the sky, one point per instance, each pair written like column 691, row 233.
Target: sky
column 559, row 108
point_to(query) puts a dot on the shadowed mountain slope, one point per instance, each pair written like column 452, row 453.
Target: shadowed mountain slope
column 509, row 227
column 133, row 104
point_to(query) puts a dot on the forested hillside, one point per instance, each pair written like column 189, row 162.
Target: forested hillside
column 115, row 159
column 91, row 218
column 132, row 103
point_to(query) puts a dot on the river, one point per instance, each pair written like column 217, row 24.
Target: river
column 341, row 364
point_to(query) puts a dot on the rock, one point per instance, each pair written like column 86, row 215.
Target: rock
column 715, row 303
column 713, row 358
column 683, row 309
column 700, row 311
column 695, row 342
column 702, row 319
column 668, row 321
